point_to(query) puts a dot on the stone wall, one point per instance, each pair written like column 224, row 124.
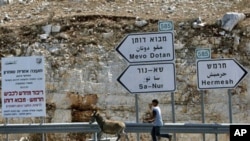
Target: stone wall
column 82, row 67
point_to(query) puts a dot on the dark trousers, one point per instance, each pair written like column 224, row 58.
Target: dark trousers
column 155, row 132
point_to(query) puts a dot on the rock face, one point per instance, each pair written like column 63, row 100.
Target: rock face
column 82, row 67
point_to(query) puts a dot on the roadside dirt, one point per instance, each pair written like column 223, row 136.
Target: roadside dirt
column 22, row 21
column 28, row 13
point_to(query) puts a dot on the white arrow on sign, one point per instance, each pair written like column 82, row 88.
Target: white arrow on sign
column 147, row 47
column 221, row 73
column 149, row 78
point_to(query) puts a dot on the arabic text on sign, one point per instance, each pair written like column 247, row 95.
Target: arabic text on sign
column 147, row 79
column 218, row 75
column 147, row 48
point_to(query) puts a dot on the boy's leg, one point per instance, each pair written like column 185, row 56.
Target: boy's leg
column 157, row 132
column 166, row 136
column 153, row 133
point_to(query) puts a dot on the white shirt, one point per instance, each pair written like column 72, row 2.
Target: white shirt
column 158, row 118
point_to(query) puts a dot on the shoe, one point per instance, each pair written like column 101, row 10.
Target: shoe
column 170, row 138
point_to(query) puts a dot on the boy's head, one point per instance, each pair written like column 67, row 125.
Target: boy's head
column 155, row 102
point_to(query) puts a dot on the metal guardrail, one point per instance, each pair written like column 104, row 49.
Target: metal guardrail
column 131, row 128
column 48, row 128
column 182, row 128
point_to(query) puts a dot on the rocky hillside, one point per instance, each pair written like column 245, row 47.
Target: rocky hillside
column 78, row 39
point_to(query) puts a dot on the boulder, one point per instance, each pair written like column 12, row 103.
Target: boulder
column 230, row 19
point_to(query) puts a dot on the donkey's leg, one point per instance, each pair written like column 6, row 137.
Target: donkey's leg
column 118, row 136
column 126, row 136
column 99, row 135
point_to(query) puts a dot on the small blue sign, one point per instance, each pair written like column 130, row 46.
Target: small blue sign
column 203, row 53
column 165, row 26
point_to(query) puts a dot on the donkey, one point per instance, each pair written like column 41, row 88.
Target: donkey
column 108, row 126
column 24, row 139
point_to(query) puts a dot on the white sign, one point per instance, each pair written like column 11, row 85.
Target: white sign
column 203, row 53
column 23, row 87
column 149, row 78
column 221, row 73
column 147, row 47
column 165, row 26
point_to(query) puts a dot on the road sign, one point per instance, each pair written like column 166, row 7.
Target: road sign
column 23, row 87
column 165, row 26
column 147, row 47
column 203, row 53
column 221, row 73
column 149, row 78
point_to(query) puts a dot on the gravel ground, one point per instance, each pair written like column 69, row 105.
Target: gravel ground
column 32, row 12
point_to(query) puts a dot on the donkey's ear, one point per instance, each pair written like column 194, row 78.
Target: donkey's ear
column 94, row 113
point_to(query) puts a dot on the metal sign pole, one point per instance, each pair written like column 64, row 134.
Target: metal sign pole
column 7, row 122
column 94, row 136
column 43, row 135
column 137, row 113
column 230, row 105
column 173, row 107
column 173, row 111
column 203, row 113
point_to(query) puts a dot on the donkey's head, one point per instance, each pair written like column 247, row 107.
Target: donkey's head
column 93, row 117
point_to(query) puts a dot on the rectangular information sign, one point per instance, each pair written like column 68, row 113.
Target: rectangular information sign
column 23, row 87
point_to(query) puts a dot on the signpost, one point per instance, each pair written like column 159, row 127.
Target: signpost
column 221, row 73
column 23, row 87
column 149, row 78
column 147, row 47
column 149, row 72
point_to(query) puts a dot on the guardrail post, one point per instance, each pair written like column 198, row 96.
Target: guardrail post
column 203, row 112
column 216, row 134
column 7, row 122
column 95, row 136
column 137, row 114
column 230, row 105
column 173, row 111
column 41, row 122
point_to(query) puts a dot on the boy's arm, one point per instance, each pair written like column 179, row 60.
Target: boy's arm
column 152, row 119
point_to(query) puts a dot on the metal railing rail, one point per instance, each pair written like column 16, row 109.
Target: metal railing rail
column 131, row 128
column 182, row 128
